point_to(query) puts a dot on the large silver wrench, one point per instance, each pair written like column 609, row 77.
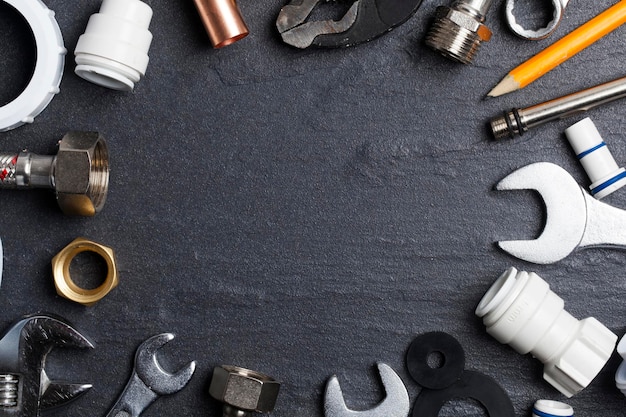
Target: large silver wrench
column 395, row 404
column 574, row 219
column 149, row 381
column 558, row 7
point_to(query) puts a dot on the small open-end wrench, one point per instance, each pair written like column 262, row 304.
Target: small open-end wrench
column 574, row 219
column 395, row 404
column 558, row 7
column 364, row 21
column 149, row 381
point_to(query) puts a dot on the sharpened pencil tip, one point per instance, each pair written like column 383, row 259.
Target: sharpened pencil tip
column 507, row 85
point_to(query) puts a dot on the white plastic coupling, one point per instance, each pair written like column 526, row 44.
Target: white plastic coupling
column 520, row 310
column 113, row 51
column 620, row 375
column 596, row 158
column 548, row 408
column 44, row 84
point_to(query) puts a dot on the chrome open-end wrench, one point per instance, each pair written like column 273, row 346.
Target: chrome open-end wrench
column 574, row 219
column 558, row 7
column 149, row 381
column 395, row 404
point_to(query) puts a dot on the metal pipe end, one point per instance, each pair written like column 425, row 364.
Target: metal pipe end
column 500, row 128
column 457, row 35
column 222, row 20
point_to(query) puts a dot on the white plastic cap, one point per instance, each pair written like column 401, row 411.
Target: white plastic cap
column 113, row 51
column 48, row 69
column 595, row 158
column 548, row 408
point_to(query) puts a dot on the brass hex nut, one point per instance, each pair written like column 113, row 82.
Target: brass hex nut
column 244, row 389
column 465, row 21
column 67, row 288
column 81, row 174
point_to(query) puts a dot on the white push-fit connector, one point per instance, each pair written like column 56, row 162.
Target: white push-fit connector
column 620, row 375
column 113, row 51
column 520, row 310
column 549, row 408
column 48, row 72
column 596, row 158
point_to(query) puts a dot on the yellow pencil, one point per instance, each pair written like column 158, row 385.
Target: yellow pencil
column 562, row 50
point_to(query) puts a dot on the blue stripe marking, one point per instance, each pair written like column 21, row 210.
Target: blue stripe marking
column 542, row 414
column 588, row 151
column 608, row 183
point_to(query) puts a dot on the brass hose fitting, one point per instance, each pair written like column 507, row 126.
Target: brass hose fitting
column 65, row 285
column 243, row 392
column 79, row 173
column 222, row 21
column 458, row 30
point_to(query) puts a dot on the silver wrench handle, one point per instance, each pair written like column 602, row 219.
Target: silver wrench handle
column 135, row 398
column 606, row 225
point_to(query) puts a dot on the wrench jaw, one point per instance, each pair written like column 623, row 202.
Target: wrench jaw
column 566, row 212
column 23, row 353
column 153, row 375
column 395, row 404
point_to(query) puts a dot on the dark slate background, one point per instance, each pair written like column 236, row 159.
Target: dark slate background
column 304, row 213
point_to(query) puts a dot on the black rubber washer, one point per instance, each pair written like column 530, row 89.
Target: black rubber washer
column 472, row 385
column 453, row 360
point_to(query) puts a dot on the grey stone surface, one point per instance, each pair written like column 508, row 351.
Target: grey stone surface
column 305, row 213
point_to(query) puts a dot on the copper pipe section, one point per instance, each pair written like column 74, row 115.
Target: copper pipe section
column 222, row 20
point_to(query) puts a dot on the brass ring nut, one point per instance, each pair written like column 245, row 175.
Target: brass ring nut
column 65, row 285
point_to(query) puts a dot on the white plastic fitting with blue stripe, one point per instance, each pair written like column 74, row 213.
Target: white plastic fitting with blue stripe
column 597, row 160
column 548, row 408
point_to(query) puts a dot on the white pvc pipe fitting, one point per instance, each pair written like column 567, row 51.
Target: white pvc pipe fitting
column 520, row 310
column 548, row 408
column 596, row 158
column 46, row 78
column 113, row 51
column 620, row 375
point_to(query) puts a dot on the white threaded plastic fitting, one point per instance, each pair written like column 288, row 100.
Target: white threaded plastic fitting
column 549, row 408
column 596, row 158
column 520, row 310
column 113, row 51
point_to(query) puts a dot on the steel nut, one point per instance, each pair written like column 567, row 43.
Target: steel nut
column 82, row 173
column 465, row 21
column 244, row 389
column 65, row 285
column 571, row 374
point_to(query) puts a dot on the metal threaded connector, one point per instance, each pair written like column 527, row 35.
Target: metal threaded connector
column 508, row 125
column 458, row 31
column 79, row 173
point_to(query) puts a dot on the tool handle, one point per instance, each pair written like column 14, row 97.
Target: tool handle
column 606, row 225
column 135, row 398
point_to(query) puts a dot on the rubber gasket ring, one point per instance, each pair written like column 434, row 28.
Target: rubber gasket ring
column 474, row 385
column 44, row 84
column 435, row 342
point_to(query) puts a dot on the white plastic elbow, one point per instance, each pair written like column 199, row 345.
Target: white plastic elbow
column 548, row 408
column 520, row 310
column 113, row 51
column 606, row 176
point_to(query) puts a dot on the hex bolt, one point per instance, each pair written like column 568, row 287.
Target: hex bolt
column 458, row 30
column 79, row 173
column 243, row 392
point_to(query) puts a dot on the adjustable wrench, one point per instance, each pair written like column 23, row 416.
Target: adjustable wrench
column 558, row 7
column 149, row 381
column 24, row 385
column 574, row 219
column 395, row 404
